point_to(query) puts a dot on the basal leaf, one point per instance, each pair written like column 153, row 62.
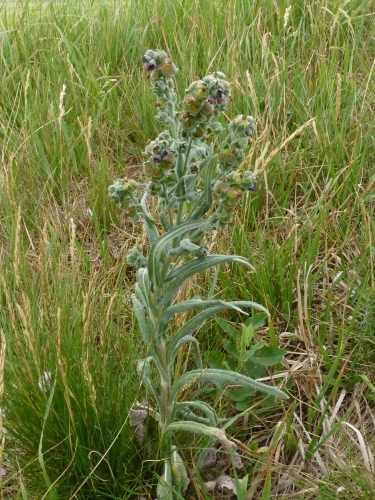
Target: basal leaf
column 220, row 361
column 240, row 393
column 257, row 321
column 269, row 356
column 229, row 329
column 231, row 348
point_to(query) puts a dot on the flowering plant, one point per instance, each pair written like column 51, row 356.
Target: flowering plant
column 199, row 185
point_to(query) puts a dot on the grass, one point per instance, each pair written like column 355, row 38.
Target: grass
column 76, row 112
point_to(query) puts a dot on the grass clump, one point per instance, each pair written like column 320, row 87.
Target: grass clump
column 308, row 231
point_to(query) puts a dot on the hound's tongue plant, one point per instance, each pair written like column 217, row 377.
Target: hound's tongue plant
column 199, row 187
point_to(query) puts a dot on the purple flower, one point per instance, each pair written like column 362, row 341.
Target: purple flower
column 148, row 63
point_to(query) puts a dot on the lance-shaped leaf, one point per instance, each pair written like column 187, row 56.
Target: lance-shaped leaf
column 200, row 318
column 139, row 311
column 150, row 227
column 164, row 490
column 161, row 245
column 197, row 303
column 143, row 286
column 144, row 370
column 179, row 474
column 204, row 430
column 180, row 274
column 180, row 409
column 204, row 202
column 223, row 378
column 185, row 340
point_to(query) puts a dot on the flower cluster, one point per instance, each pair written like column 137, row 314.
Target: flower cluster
column 159, row 64
column 122, row 193
column 160, row 163
column 229, row 192
column 202, row 103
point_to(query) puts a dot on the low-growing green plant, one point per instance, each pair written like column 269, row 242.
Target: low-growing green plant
column 244, row 353
column 199, row 183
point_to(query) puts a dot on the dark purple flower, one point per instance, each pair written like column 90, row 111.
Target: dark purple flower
column 148, row 63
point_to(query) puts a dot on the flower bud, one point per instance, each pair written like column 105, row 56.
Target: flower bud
column 242, row 124
column 187, row 121
column 199, row 90
column 130, row 211
column 171, row 178
column 155, row 188
column 207, row 110
column 220, row 188
column 234, row 194
column 191, row 104
column 161, row 102
column 153, row 171
column 245, row 179
column 226, row 157
column 200, row 131
column 167, row 68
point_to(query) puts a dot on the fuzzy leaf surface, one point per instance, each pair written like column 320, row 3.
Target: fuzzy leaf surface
column 223, row 378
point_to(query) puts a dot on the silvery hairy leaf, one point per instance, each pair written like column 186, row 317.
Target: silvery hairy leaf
column 199, row 319
column 139, row 311
column 223, row 378
column 198, row 303
column 179, row 474
column 205, row 408
column 161, row 245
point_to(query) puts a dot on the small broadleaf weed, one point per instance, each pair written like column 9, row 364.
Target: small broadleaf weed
column 199, row 182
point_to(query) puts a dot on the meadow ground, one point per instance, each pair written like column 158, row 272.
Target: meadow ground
column 75, row 113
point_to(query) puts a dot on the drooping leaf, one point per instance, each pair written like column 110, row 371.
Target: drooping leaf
column 144, row 370
column 199, row 405
column 198, row 303
column 204, row 430
column 161, row 245
column 179, row 275
column 143, row 286
column 199, row 319
column 223, row 378
column 185, row 340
